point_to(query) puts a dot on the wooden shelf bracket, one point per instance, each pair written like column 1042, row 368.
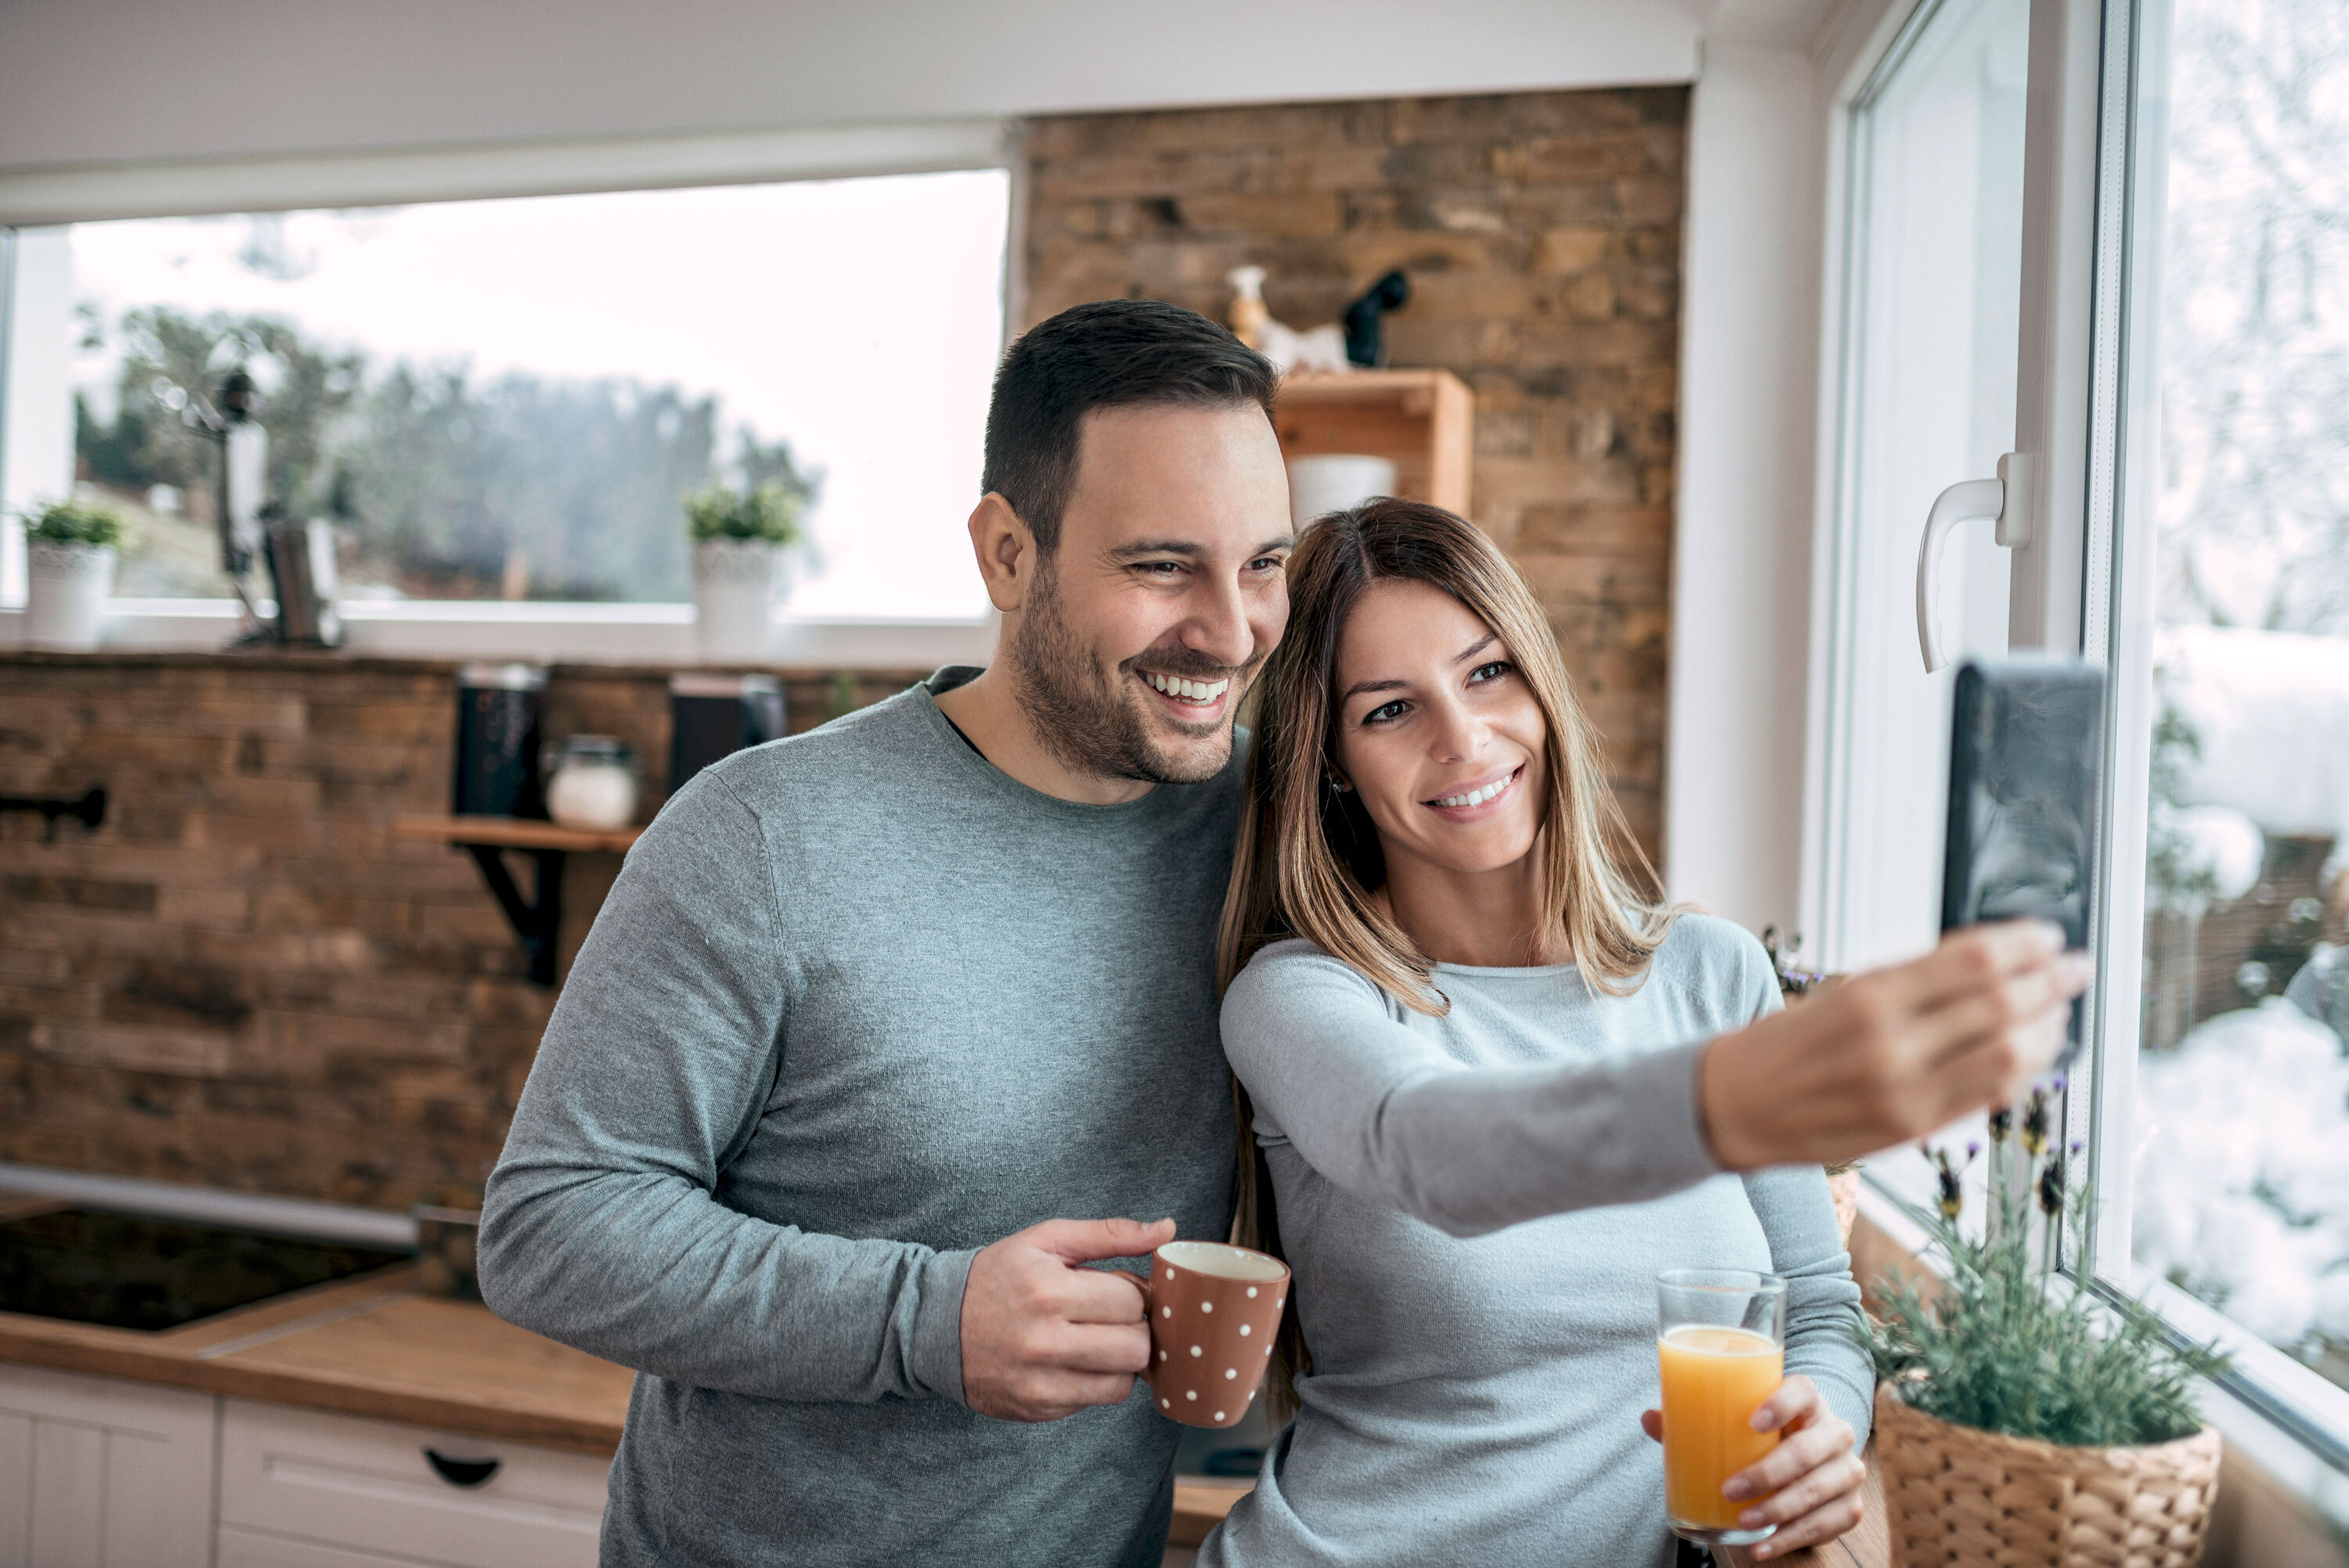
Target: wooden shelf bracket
column 537, row 921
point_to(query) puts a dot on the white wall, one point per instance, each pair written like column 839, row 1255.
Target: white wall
column 100, row 80
column 1742, row 558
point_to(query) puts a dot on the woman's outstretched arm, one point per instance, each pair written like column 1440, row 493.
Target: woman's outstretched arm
column 1381, row 1112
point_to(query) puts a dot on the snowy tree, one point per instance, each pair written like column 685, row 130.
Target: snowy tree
column 2255, row 330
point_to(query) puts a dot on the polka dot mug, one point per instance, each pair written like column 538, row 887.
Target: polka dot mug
column 1214, row 1311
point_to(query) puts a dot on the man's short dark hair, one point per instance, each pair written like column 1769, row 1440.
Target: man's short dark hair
column 1112, row 353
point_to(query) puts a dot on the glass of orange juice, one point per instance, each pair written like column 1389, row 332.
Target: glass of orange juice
column 1722, row 1344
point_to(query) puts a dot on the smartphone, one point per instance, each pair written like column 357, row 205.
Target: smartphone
column 2026, row 784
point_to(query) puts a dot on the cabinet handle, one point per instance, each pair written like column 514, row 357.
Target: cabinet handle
column 461, row 1472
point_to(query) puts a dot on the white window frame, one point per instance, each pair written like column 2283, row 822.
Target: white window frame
column 552, row 630
column 2087, row 368
column 2118, row 400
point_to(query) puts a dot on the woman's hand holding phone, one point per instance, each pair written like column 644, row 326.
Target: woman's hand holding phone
column 1894, row 1053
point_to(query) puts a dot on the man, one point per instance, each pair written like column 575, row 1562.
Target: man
column 879, row 1022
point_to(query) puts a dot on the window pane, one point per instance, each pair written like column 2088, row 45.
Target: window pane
column 509, row 398
column 1935, row 259
column 2242, row 1180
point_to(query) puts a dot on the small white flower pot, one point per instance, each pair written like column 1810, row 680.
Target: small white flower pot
column 737, row 585
column 66, row 589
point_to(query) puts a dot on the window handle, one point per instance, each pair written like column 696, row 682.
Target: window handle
column 2005, row 499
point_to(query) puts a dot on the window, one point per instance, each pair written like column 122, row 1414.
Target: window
column 2144, row 266
column 2237, row 693
column 506, row 399
column 1934, row 215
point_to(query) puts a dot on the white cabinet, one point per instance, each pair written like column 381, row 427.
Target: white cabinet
column 101, row 1472
column 96, row 1473
column 303, row 1488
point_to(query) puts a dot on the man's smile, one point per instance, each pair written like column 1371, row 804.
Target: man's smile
column 1191, row 701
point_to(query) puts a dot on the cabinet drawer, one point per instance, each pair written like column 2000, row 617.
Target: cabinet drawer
column 370, row 1485
column 249, row 1549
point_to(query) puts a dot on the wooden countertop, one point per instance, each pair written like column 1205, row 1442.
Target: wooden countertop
column 375, row 1346
column 1200, row 1505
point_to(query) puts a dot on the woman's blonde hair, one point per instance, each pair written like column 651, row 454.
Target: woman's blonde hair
column 1308, row 860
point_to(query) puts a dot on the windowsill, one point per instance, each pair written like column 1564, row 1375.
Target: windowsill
column 2266, row 1462
column 566, row 633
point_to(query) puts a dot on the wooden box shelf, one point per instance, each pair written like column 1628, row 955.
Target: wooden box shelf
column 1422, row 421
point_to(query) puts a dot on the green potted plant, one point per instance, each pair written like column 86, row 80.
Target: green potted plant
column 741, row 570
column 70, row 550
column 2018, row 1420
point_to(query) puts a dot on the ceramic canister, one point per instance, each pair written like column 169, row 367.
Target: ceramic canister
column 1215, row 1311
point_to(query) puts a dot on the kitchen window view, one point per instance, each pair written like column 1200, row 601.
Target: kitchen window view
column 2242, row 1173
column 509, row 399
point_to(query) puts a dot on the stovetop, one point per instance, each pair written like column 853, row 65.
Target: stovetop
column 127, row 1271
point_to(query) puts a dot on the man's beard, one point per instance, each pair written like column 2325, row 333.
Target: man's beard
column 1091, row 724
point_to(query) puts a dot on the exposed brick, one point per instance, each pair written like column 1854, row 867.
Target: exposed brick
column 243, row 979
column 1575, row 249
column 1542, row 233
column 1641, row 532
column 81, row 892
column 198, row 1052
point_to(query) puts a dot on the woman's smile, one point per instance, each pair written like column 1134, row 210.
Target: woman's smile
column 1475, row 801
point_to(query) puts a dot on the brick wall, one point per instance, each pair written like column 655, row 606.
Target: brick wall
column 1541, row 231
column 243, row 979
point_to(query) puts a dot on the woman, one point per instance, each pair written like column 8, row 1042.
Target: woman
column 1486, row 1110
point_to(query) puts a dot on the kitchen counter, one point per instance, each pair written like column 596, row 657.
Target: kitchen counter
column 1200, row 1506
column 375, row 1347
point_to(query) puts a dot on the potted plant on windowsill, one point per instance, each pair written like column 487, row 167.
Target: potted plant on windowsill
column 742, row 568
column 70, row 550
column 2017, row 1420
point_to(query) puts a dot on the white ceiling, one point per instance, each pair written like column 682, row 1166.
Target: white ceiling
column 84, row 81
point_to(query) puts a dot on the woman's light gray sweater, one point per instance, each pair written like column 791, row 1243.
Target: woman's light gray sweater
column 1476, row 1207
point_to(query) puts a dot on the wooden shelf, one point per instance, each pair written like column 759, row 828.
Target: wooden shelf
column 1422, row 421
column 537, row 921
column 514, row 833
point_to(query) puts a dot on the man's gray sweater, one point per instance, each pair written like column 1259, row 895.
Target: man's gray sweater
column 859, row 1005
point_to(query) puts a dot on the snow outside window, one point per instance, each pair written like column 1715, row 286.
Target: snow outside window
column 2240, row 1185
column 508, row 398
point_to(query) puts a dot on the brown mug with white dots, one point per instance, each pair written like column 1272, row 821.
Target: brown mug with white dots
column 1213, row 1312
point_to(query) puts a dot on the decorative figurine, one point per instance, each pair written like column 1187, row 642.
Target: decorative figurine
column 1332, row 349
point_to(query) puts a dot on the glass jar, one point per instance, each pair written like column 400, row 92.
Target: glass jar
column 595, row 784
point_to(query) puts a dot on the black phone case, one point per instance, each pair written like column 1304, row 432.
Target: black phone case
column 2026, row 793
column 2026, row 787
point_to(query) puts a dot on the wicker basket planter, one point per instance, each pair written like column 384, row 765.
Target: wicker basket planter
column 1956, row 1496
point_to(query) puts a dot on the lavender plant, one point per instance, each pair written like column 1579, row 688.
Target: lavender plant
column 2003, row 1344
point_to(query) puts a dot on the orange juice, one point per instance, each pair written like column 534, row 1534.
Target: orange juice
column 1713, row 1381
